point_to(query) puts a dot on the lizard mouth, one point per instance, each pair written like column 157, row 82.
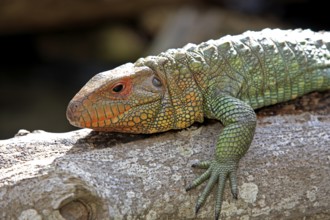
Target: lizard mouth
column 96, row 117
column 112, row 118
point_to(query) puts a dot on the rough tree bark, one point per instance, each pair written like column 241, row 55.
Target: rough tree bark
column 89, row 175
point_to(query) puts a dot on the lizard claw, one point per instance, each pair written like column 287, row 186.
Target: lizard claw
column 217, row 172
column 233, row 184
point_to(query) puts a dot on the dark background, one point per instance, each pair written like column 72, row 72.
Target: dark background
column 50, row 48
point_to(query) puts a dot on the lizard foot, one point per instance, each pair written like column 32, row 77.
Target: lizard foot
column 217, row 172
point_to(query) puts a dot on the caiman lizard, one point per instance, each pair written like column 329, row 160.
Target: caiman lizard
column 224, row 79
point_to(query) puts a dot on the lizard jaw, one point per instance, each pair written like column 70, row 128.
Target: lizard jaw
column 115, row 118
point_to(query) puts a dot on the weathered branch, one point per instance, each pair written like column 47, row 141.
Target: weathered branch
column 284, row 175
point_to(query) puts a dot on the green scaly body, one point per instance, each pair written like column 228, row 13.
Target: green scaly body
column 221, row 79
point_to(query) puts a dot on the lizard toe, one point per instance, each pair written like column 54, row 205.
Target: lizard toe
column 202, row 164
column 206, row 175
column 217, row 172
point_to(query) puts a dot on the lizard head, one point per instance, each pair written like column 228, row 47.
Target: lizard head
column 149, row 96
column 125, row 99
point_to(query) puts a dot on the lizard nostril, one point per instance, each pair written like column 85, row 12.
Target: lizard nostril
column 71, row 112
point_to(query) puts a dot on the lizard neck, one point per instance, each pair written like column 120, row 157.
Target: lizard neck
column 183, row 98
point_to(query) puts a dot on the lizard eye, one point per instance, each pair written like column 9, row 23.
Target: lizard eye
column 118, row 88
column 156, row 82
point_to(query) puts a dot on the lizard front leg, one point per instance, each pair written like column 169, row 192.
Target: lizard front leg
column 239, row 122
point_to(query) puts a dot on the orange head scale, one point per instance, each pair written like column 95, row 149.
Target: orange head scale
column 133, row 99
